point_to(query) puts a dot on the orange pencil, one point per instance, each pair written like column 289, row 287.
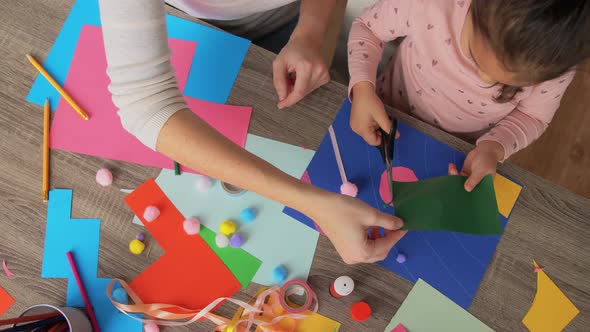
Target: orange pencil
column 46, row 111
column 59, row 89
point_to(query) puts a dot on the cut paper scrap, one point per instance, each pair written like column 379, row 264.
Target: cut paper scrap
column 507, row 193
column 63, row 234
column 399, row 328
column 271, row 230
column 6, row 301
column 6, row 270
column 425, row 309
column 188, row 265
column 441, row 203
column 551, row 309
column 102, row 135
column 454, row 263
column 212, row 75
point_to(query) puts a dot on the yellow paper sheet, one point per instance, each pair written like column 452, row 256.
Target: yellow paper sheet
column 506, row 194
column 551, row 309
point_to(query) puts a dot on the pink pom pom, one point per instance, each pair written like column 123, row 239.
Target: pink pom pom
column 349, row 189
column 151, row 327
column 192, row 226
column 151, row 213
column 203, row 183
column 104, row 177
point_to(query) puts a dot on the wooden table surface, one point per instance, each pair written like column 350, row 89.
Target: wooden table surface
column 548, row 223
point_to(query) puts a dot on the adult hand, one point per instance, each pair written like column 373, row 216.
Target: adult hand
column 346, row 221
column 480, row 162
column 298, row 70
column 368, row 113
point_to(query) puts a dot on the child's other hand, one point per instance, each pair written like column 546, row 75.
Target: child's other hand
column 368, row 113
column 480, row 162
column 347, row 220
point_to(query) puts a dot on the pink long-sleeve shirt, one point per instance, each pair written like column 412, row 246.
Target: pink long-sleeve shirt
column 430, row 77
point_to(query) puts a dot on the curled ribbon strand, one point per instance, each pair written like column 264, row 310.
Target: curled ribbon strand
column 270, row 309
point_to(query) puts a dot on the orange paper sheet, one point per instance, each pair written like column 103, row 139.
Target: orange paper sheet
column 189, row 274
column 506, row 194
column 551, row 309
column 5, row 301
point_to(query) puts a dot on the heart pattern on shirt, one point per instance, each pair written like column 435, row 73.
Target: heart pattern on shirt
column 419, row 66
column 361, row 43
column 460, row 90
column 369, row 24
column 375, row 16
column 419, row 92
column 429, row 26
column 448, row 41
column 395, row 10
column 433, row 90
column 392, row 31
column 469, row 101
column 350, row 52
column 459, row 118
column 434, row 63
column 380, row 44
column 561, row 81
column 483, row 104
column 411, row 44
column 365, row 55
column 514, row 145
column 557, row 96
column 480, row 112
column 408, row 23
column 543, row 92
column 461, row 3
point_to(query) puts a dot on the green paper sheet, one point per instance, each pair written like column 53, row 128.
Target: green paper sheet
column 426, row 309
column 442, row 203
column 243, row 265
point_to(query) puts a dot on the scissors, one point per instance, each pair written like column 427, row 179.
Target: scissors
column 386, row 150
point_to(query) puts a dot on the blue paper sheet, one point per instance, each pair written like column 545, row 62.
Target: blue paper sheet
column 216, row 63
column 453, row 263
column 272, row 237
column 81, row 237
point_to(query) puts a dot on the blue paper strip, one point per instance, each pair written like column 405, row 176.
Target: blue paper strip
column 453, row 263
column 216, row 63
column 81, row 237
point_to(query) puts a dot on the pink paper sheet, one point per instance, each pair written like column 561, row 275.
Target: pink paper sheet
column 103, row 135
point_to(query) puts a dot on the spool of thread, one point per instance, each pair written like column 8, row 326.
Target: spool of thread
column 342, row 286
column 231, row 189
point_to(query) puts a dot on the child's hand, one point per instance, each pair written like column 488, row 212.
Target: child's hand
column 368, row 113
column 480, row 162
column 346, row 221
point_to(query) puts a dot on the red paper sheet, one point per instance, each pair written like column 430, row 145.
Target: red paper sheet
column 5, row 301
column 189, row 274
column 102, row 135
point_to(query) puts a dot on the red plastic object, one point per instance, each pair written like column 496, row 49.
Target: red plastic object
column 189, row 274
column 360, row 311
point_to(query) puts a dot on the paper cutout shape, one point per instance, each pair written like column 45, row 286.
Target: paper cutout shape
column 188, row 265
column 551, row 309
column 6, row 301
column 63, row 234
column 425, row 309
column 441, row 203
column 214, row 68
column 507, row 193
column 399, row 328
column 454, row 263
column 271, row 229
column 88, row 84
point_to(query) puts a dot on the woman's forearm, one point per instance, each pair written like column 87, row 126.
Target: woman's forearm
column 192, row 142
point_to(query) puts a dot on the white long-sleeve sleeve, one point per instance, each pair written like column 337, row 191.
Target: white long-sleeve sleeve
column 143, row 83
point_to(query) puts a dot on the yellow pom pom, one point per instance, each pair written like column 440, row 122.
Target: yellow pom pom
column 227, row 227
column 136, row 247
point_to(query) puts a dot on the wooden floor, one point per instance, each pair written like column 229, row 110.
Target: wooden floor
column 562, row 154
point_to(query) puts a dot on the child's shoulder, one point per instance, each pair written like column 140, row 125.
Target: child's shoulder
column 449, row 9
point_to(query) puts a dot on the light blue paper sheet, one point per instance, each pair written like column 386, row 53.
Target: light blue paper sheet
column 272, row 237
column 216, row 62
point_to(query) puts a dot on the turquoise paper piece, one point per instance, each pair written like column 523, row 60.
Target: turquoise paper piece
column 273, row 237
column 425, row 309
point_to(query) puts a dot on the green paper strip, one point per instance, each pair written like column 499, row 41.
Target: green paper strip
column 442, row 203
column 176, row 168
column 241, row 263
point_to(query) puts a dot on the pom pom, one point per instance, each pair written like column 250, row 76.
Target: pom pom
column 248, row 215
column 140, row 237
column 279, row 274
column 221, row 241
column 120, row 295
column 104, row 177
column 349, row 189
column 151, row 327
column 151, row 213
column 203, row 183
column 227, row 227
column 360, row 311
column 236, row 241
column 401, row 258
column 136, row 247
column 191, row 226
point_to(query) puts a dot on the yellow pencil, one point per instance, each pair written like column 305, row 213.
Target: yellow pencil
column 46, row 111
column 56, row 85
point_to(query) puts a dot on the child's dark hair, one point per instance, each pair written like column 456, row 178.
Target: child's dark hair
column 541, row 39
